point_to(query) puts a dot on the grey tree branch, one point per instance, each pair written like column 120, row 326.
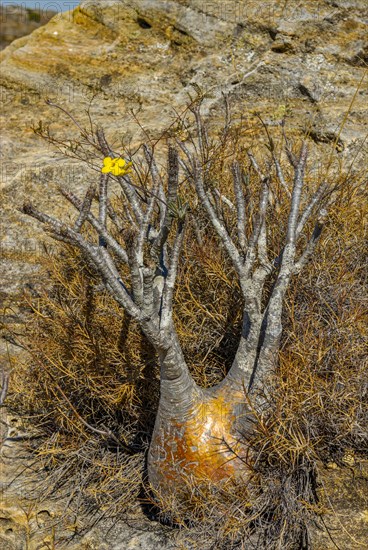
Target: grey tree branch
column 85, row 207
column 104, row 146
column 131, row 196
column 172, row 194
column 296, row 195
column 102, row 203
column 223, row 199
column 240, row 204
column 148, row 296
column 113, row 215
column 101, row 230
column 258, row 222
column 218, row 226
column 315, row 200
column 280, row 174
column 62, row 231
column 168, row 290
column 157, row 181
column 262, row 324
column 255, row 166
column 273, row 313
column 188, row 155
column 144, row 229
column 201, row 134
column 131, row 243
column 309, row 249
column 5, row 377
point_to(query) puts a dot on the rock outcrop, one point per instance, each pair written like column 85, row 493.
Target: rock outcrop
column 303, row 59
column 17, row 21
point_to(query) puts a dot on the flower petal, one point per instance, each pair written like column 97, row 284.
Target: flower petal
column 116, row 170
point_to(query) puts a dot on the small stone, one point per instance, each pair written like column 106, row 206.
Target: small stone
column 348, row 459
column 282, row 45
column 311, row 88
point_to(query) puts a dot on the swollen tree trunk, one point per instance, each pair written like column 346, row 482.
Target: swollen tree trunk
column 196, row 434
column 199, row 433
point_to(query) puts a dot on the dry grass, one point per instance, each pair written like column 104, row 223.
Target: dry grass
column 91, row 380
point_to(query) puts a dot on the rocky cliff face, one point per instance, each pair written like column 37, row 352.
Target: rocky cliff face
column 305, row 59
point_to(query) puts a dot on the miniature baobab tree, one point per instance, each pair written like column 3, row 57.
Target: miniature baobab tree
column 199, row 432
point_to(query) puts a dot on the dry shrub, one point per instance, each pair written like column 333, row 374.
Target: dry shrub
column 322, row 383
column 91, row 380
column 208, row 311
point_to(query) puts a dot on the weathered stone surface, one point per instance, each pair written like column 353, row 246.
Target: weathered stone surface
column 28, row 517
column 303, row 58
column 346, row 496
column 146, row 55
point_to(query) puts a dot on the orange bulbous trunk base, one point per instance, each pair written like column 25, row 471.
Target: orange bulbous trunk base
column 207, row 445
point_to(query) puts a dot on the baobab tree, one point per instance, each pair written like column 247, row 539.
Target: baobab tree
column 199, row 432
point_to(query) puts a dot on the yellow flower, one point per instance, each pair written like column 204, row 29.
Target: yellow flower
column 116, row 167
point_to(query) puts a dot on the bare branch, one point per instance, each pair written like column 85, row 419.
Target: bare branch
column 279, row 171
column 131, row 195
column 259, row 222
column 240, row 204
column 168, row 291
column 296, row 196
column 262, row 247
column 218, row 226
column 85, row 207
column 173, row 175
column 102, row 203
column 144, row 228
column 157, row 181
column 309, row 249
column 223, row 199
column 173, row 184
column 124, row 181
column 92, row 253
column 290, row 155
column 187, row 153
column 255, row 166
column 316, row 199
column 227, row 112
column 148, row 296
column 101, row 230
column 272, row 316
column 82, row 130
column 5, row 377
column 185, row 167
column 113, row 215
column 104, row 146
column 201, row 134
column 131, row 243
column 280, row 174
